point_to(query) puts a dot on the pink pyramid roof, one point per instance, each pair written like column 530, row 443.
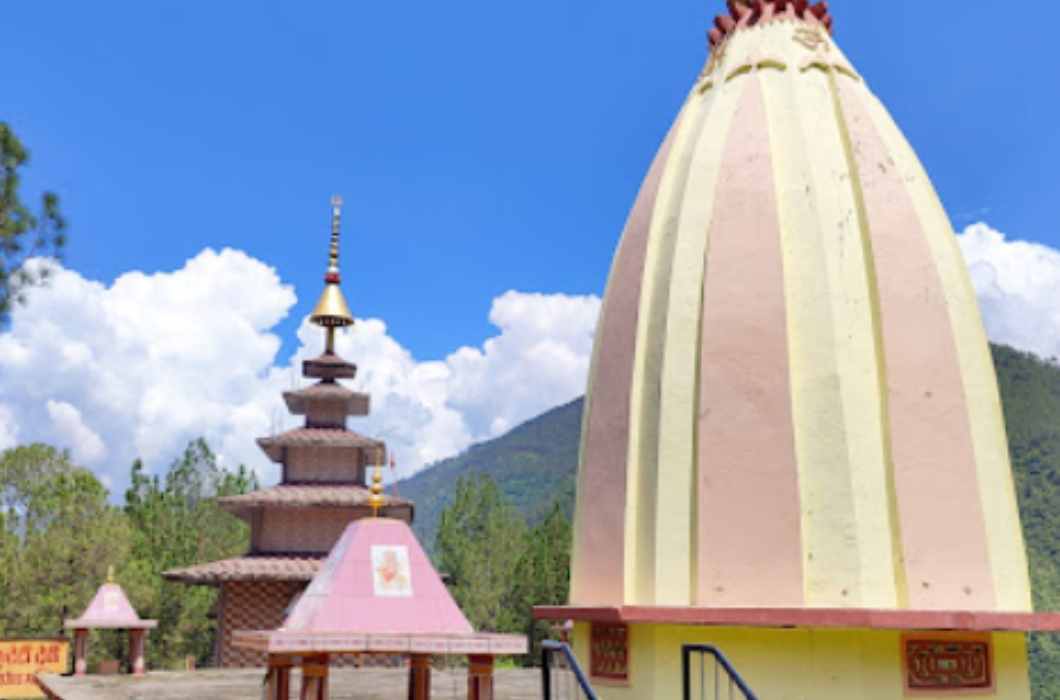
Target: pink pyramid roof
column 377, row 579
column 111, row 609
column 377, row 591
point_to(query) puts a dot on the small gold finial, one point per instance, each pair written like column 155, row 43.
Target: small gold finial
column 376, row 500
column 110, row 574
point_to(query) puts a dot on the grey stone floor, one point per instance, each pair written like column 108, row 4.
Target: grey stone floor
column 346, row 684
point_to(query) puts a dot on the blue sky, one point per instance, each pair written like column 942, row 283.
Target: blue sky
column 482, row 147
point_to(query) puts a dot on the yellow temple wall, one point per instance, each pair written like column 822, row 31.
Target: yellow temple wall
column 793, row 664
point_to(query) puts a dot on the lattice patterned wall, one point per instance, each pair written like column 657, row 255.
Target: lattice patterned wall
column 307, row 530
column 260, row 605
column 324, row 465
column 251, row 605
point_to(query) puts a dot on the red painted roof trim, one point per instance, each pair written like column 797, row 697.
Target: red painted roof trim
column 807, row 617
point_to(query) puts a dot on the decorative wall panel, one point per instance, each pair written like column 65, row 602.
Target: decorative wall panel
column 947, row 665
column 609, row 655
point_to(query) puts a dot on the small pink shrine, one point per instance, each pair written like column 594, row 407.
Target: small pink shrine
column 110, row 609
column 377, row 592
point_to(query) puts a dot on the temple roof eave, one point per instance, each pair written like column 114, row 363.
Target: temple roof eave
column 286, row 496
column 353, row 403
column 297, row 567
column 316, row 437
column 807, row 618
column 284, row 642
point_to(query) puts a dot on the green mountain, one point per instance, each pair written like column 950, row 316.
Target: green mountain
column 535, row 465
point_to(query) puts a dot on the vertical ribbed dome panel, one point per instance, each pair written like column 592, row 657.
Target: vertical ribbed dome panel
column 792, row 401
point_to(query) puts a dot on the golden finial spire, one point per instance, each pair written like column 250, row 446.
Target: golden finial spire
column 331, row 311
column 110, row 574
column 376, row 500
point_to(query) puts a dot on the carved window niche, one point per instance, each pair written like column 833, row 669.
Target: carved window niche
column 609, row 653
column 948, row 664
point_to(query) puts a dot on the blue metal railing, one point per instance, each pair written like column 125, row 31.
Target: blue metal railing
column 567, row 663
column 723, row 677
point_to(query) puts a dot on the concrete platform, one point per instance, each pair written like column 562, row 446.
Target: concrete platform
column 346, row 684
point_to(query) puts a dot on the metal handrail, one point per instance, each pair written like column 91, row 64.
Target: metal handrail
column 734, row 677
column 549, row 647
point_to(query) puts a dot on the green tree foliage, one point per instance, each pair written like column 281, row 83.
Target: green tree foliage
column 541, row 577
column 58, row 535
column 175, row 522
column 534, row 465
column 479, row 540
column 23, row 233
column 1030, row 394
column 499, row 570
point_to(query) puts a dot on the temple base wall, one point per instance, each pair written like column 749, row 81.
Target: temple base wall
column 788, row 664
column 250, row 605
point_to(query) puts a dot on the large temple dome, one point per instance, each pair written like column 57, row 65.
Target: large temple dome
column 792, row 401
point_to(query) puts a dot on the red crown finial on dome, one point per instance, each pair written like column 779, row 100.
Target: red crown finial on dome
column 748, row 13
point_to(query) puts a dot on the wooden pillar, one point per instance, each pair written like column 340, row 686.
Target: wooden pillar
column 136, row 651
column 480, row 677
column 278, row 680
column 80, row 652
column 420, row 677
column 315, row 677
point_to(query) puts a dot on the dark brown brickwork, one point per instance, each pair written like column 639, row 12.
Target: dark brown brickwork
column 250, row 605
column 304, row 529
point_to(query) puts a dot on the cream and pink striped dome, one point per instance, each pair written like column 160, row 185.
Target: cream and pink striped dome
column 792, row 400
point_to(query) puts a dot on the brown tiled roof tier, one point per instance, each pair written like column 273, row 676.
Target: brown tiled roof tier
column 317, row 437
column 309, row 496
column 253, row 567
column 329, row 367
column 356, row 404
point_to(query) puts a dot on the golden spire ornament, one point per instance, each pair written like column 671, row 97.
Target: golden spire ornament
column 110, row 574
column 331, row 311
column 376, row 500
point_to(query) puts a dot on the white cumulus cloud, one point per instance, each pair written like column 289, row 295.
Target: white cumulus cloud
column 429, row 410
column 8, row 428
column 67, row 424
column 138, row 368
column 1018, row 286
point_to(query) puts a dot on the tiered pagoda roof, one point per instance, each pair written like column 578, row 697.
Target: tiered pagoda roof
column 323, row 486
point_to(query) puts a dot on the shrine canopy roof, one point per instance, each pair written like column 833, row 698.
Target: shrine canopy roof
column 110, row 609
column 377, row 591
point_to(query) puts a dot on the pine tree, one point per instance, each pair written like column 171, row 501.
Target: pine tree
column 175, row 522
column 58, row 535
column 541, row 577
column 23, row 233
column 479, row 540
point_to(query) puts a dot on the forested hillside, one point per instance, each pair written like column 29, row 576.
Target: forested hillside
column 534, row 465
column 1030, row 394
